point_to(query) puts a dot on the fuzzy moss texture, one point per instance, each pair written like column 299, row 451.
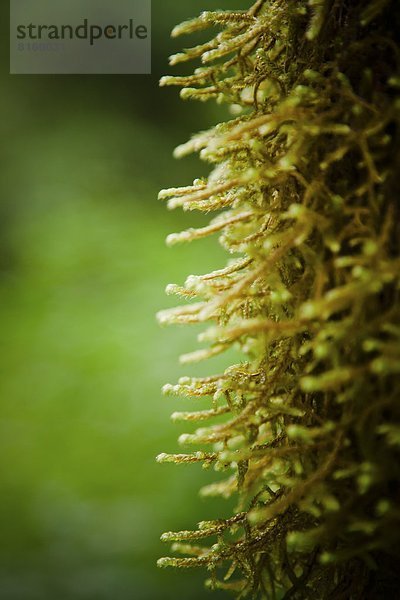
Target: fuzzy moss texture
column 305, row 183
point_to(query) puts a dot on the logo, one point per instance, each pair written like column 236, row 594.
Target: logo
column 53, row 37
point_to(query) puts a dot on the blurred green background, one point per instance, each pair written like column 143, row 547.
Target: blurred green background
column 83, row 272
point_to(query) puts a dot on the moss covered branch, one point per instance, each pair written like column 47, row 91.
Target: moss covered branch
column 305, row 179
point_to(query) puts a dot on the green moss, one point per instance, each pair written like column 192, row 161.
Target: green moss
column 305, row 180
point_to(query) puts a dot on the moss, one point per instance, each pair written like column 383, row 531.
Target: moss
column 306, row 188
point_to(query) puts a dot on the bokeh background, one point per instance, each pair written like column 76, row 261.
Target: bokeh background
column 83, row 268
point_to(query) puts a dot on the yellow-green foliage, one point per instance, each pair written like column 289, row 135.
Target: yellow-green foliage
column 305, row 183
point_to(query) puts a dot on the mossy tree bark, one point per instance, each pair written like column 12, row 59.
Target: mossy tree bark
column 305, row 180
